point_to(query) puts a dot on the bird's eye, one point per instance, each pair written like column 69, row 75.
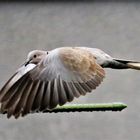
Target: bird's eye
column 35, row 56
column 47, row 52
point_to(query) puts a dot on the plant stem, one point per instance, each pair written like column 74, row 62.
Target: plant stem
column 88, row 107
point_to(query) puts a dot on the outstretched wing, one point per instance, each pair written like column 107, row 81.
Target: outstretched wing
column 63, row 74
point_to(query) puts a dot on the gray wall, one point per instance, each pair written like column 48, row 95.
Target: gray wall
column 112, row 27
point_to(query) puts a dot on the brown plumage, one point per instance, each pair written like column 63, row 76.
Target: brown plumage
column 48, row 79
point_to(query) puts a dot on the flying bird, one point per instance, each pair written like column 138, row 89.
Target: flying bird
column 51, row 78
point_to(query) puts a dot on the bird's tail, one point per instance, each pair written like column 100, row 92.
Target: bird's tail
column 122, row 64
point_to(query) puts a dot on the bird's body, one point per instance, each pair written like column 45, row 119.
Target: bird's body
column 48, row 79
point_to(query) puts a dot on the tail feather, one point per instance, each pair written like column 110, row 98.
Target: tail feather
column 134, row 65
column 129, row 64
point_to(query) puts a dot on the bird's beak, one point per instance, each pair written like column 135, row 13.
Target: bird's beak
column 27, row 62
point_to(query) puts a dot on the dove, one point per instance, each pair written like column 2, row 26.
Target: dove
column 51, row 78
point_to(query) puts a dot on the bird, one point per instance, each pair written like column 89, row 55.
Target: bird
column 51, row 78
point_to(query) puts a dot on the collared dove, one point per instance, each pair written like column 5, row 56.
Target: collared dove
column 51, row 78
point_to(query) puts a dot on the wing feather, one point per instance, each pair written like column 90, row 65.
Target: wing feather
column 31, row 98
column 62, row 92
column 8, row 91
column 22, row 102
column 54, row 99
column 13, row 81
column 15, row 97
column 80, row 88
column 39, row 96
column 46, row 96
column 68, row 91
column 86, row 87
column 6, row 87
column 17, row 107
column 76, row 93
column 62, row 75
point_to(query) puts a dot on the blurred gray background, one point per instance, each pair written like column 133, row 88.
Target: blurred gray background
column 112, row 27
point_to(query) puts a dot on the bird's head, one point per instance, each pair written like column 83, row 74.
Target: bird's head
column 35, row 57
